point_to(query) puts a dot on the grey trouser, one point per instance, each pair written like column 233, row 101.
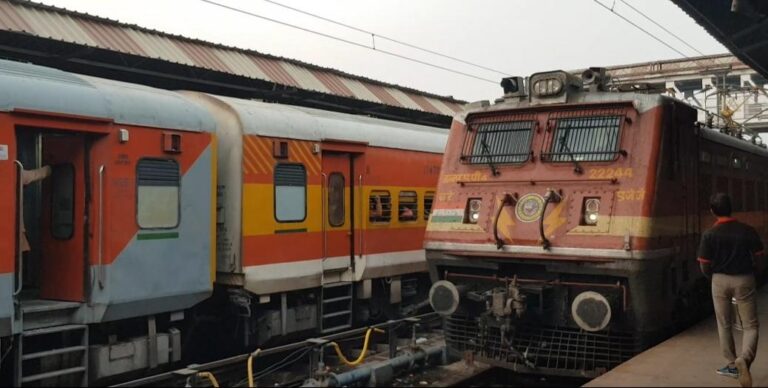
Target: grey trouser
column 742, row 288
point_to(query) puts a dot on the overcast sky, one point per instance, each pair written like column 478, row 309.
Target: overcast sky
column 517, row 37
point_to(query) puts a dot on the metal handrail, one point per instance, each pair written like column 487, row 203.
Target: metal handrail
column 19, row 228
column 507, row 200
column 362, row 219
column 100, row 274
column 322, row 222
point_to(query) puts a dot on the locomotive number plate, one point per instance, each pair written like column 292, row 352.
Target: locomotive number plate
column 610, row 173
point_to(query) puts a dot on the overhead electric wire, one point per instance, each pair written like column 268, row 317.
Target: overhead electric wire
column 238, row 10
column 638, row 27
column 658, row 25
column 393, row 40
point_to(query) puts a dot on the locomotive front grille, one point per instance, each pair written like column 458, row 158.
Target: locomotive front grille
column 559, row 351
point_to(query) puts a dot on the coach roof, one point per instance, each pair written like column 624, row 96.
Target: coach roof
column 25, row 86
column 289, row 121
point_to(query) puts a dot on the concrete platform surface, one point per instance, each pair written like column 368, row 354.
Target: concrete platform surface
column 690, row 359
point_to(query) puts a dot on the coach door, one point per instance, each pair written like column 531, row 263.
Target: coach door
column 63, row 237
column 339, row 214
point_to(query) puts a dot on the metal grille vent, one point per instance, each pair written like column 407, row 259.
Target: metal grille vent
column 290, row 175
column 559, row 351
column 158, row 172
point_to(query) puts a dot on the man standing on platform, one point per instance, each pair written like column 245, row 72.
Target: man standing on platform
column 727, row 256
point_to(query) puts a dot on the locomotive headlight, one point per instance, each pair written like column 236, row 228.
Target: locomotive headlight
column 591, row 211
column 547, row 87
column 473, row 210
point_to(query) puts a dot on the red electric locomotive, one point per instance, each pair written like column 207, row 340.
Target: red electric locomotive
column 567, row 217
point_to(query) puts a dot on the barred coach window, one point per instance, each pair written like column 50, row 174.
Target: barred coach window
column 290, row 192
column 380, row 206
column 429, row 197
column 157, row 203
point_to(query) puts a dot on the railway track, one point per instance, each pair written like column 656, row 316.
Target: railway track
column 408, row 344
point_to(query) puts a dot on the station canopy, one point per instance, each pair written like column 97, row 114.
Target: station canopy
column 740, row 25
column 86, row 44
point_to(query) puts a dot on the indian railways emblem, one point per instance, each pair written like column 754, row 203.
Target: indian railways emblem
column 529, row 207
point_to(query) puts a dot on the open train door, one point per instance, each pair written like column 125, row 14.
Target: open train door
column 62, row 235
column 341, row 231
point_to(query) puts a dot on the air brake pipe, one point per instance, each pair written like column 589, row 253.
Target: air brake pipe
column 549, row 197
column 405, row 361
column 555, row 282
column 508, row 200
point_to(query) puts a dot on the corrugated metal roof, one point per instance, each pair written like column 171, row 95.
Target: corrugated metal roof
column 68, row 26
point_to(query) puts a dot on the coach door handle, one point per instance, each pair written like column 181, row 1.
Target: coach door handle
column 100, row 274
column 19, row 227
column 362, row 219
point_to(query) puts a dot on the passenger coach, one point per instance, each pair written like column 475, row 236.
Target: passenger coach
column 174, row 224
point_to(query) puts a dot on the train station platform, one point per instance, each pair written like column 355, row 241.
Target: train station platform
column 690, row 359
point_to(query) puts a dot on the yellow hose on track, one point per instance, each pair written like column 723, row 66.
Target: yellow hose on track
column 361, row 357
column 210, row 377
column 250, row 367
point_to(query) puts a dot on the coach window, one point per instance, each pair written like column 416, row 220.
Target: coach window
column 290, row 192
column 336, row 199
column 705, row 157
column 429, row 197
column 407, row 206
column 380, row 206
column 736, row 162
column 159, row 182
column 63, row 202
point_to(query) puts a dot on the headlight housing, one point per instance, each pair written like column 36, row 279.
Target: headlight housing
column 472, row 214
column 591, row 211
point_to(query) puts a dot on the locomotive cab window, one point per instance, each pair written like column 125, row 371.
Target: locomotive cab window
column 159, row 182
column 498, row 143
column 63, row 202
column 407, row 206
column 290, row 192
column 380, row 206
column 587, row 139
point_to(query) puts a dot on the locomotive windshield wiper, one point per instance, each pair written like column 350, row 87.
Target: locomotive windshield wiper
column 487, row 153
column 564, row 146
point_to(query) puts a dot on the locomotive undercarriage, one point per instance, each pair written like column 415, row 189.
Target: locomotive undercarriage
column 560, row 318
